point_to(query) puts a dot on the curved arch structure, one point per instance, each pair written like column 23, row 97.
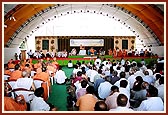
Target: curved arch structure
column 146, row 21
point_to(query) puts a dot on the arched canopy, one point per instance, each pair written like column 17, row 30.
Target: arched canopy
column 145, row 20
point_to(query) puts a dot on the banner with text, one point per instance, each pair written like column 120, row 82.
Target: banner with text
column 87, row 42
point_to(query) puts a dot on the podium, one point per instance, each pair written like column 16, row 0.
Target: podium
column 82, row 52
column 23, row 52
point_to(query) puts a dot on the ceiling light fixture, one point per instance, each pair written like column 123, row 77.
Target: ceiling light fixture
column 12, row 17
column 5, row 26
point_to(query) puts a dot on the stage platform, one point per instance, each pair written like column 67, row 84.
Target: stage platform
column 88, row 56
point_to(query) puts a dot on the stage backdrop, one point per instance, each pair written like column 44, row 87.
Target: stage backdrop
column 68, row 42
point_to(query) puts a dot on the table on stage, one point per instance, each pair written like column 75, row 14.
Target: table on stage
column 82, row 52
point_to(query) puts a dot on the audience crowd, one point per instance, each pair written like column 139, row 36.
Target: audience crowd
column 105, row 85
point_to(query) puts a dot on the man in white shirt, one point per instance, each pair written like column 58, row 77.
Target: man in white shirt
column 136, row 52
column 121, row 103
column 38, row 103
column 30, row 54
column 161, row 88
column 123, row 89
column 153, row 102
column 98, row 60
column 122, row 77
column 148, row 78
column 60, row 76
column 111, row 100
column 70, row 64
column 26, row 82
column 104, row 88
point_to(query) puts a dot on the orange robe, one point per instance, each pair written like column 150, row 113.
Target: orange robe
column 37, row 65
column 44, row 77
column 7, row 72
column 11, row 65
column 110, row 52
column 15, row 75
column 124, row 53
column 120, row 53
column 114, row 53
column 38, row 70
column 11, row 105
column 92, row 51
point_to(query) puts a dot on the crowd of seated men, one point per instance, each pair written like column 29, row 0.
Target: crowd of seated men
column 104, row 85
column 118, row 85
column 30, row 82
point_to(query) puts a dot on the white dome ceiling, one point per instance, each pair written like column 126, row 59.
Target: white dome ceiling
column 62, row 17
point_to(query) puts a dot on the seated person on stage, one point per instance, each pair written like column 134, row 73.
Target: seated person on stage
column 141, row 52
column 120, row 53
column 92, row 51
column 146, row 52
column 35, row 54
column 82, row 47
column 136, row 52
column 114, row 52
column 130, row 52
column 124, row 52
column 48, row 54
column 52, row 54
column 64, row 53
column 73, row 52
column 110, row 52
column 30, row 54
column 101, row 52
column 42, row 54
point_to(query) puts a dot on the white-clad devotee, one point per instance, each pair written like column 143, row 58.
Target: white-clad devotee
column 161, row 88
column 136, row 52
column 97, row 61
column 121, row 103
column 153, row 102
column 104, row 88
column 52, row 54
column 73, row 52
column 60, row 76
column 26, row 82
column 64, row 53
column 38, row 103
column 70, row 64
column 30, row 54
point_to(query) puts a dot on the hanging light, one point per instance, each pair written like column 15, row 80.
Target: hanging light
column 12, row 17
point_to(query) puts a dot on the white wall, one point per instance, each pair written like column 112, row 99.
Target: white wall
column 9, row 54
column 159, row 50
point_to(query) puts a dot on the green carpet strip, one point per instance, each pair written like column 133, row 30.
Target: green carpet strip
column 58, row 94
